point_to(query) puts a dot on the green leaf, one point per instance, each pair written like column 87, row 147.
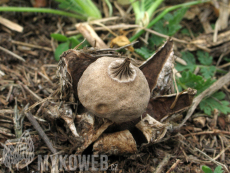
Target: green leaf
column 177, row 16
column 191, row 62
column 185, row 31
column 226, row 59
column 144, row 52
column 209, row 104
column 206, row 169
column 208, row 71
column 60, row 49
column 70, row 5
column 204, row 57
column 203, row 85
column 218, row 169
column 155, row 41
column 59, row 37
column 174, row 22
column 73, row 42
column 191, row 80
column 85, row 8
column 168, row 25
column 219, row 95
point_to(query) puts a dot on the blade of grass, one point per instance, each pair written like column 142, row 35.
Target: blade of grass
column 110, row 7
column 89, row 8
column 41, row 10
column 164, row 13
column 154, row 7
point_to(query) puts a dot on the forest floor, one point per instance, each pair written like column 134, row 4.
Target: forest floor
column 29, row 61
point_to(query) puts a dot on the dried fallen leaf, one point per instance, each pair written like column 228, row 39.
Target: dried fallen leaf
column 121, row 41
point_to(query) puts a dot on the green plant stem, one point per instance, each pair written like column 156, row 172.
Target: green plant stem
column 162, row 14
column 139, row 10
column 110, row 7
column 154, row 7
column 41, row 10
column 182, row 85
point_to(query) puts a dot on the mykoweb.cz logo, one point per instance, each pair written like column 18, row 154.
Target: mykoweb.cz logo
column 73, row 162
column 21, row 151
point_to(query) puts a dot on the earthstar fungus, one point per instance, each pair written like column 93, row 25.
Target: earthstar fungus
column 115, row 89
column 120, row 97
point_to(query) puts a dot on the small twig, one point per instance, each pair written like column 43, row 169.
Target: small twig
column 177, row 92
column 173, row 166
column 31, row 92
column 216, row 113
column 163, row 163
column 224, row 65
column 88, row 32
column 9, row 93
column 211, row 159
column 215, row 131
column 213, row 88
column 45, row 77
column 11, row 53
column 222, row 151
column 38, row 103
column 40, row 131
column 11, row 25
column 107, row 19
column 6, row 111
column 31, row 45
column 165, row 36
column 111, row 27
column 180, row 60
column 103, row 26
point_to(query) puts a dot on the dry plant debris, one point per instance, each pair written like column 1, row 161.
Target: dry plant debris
column 159, row 138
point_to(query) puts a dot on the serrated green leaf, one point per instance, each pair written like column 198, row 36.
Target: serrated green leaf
column 219, row 95
column 191, row 62
column 211, row 103
column 155, row 41
column 206, row 169
column 177, row 16
column 188, row 57
column 168, row 25
column 218, row 169
column 202, row 85
column 189, row 79
column 207, row 72
column 144, row 52
column 168, row 17
column 59, row 37
column 174, row 22
column 185, row 31
column 204, row 57
column 161, row 27
column 60, row 49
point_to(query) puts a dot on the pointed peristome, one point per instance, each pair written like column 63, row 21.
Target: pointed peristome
column 122, row 71
column 154, row 65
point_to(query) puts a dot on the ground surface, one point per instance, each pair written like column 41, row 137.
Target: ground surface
column 193, row 145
